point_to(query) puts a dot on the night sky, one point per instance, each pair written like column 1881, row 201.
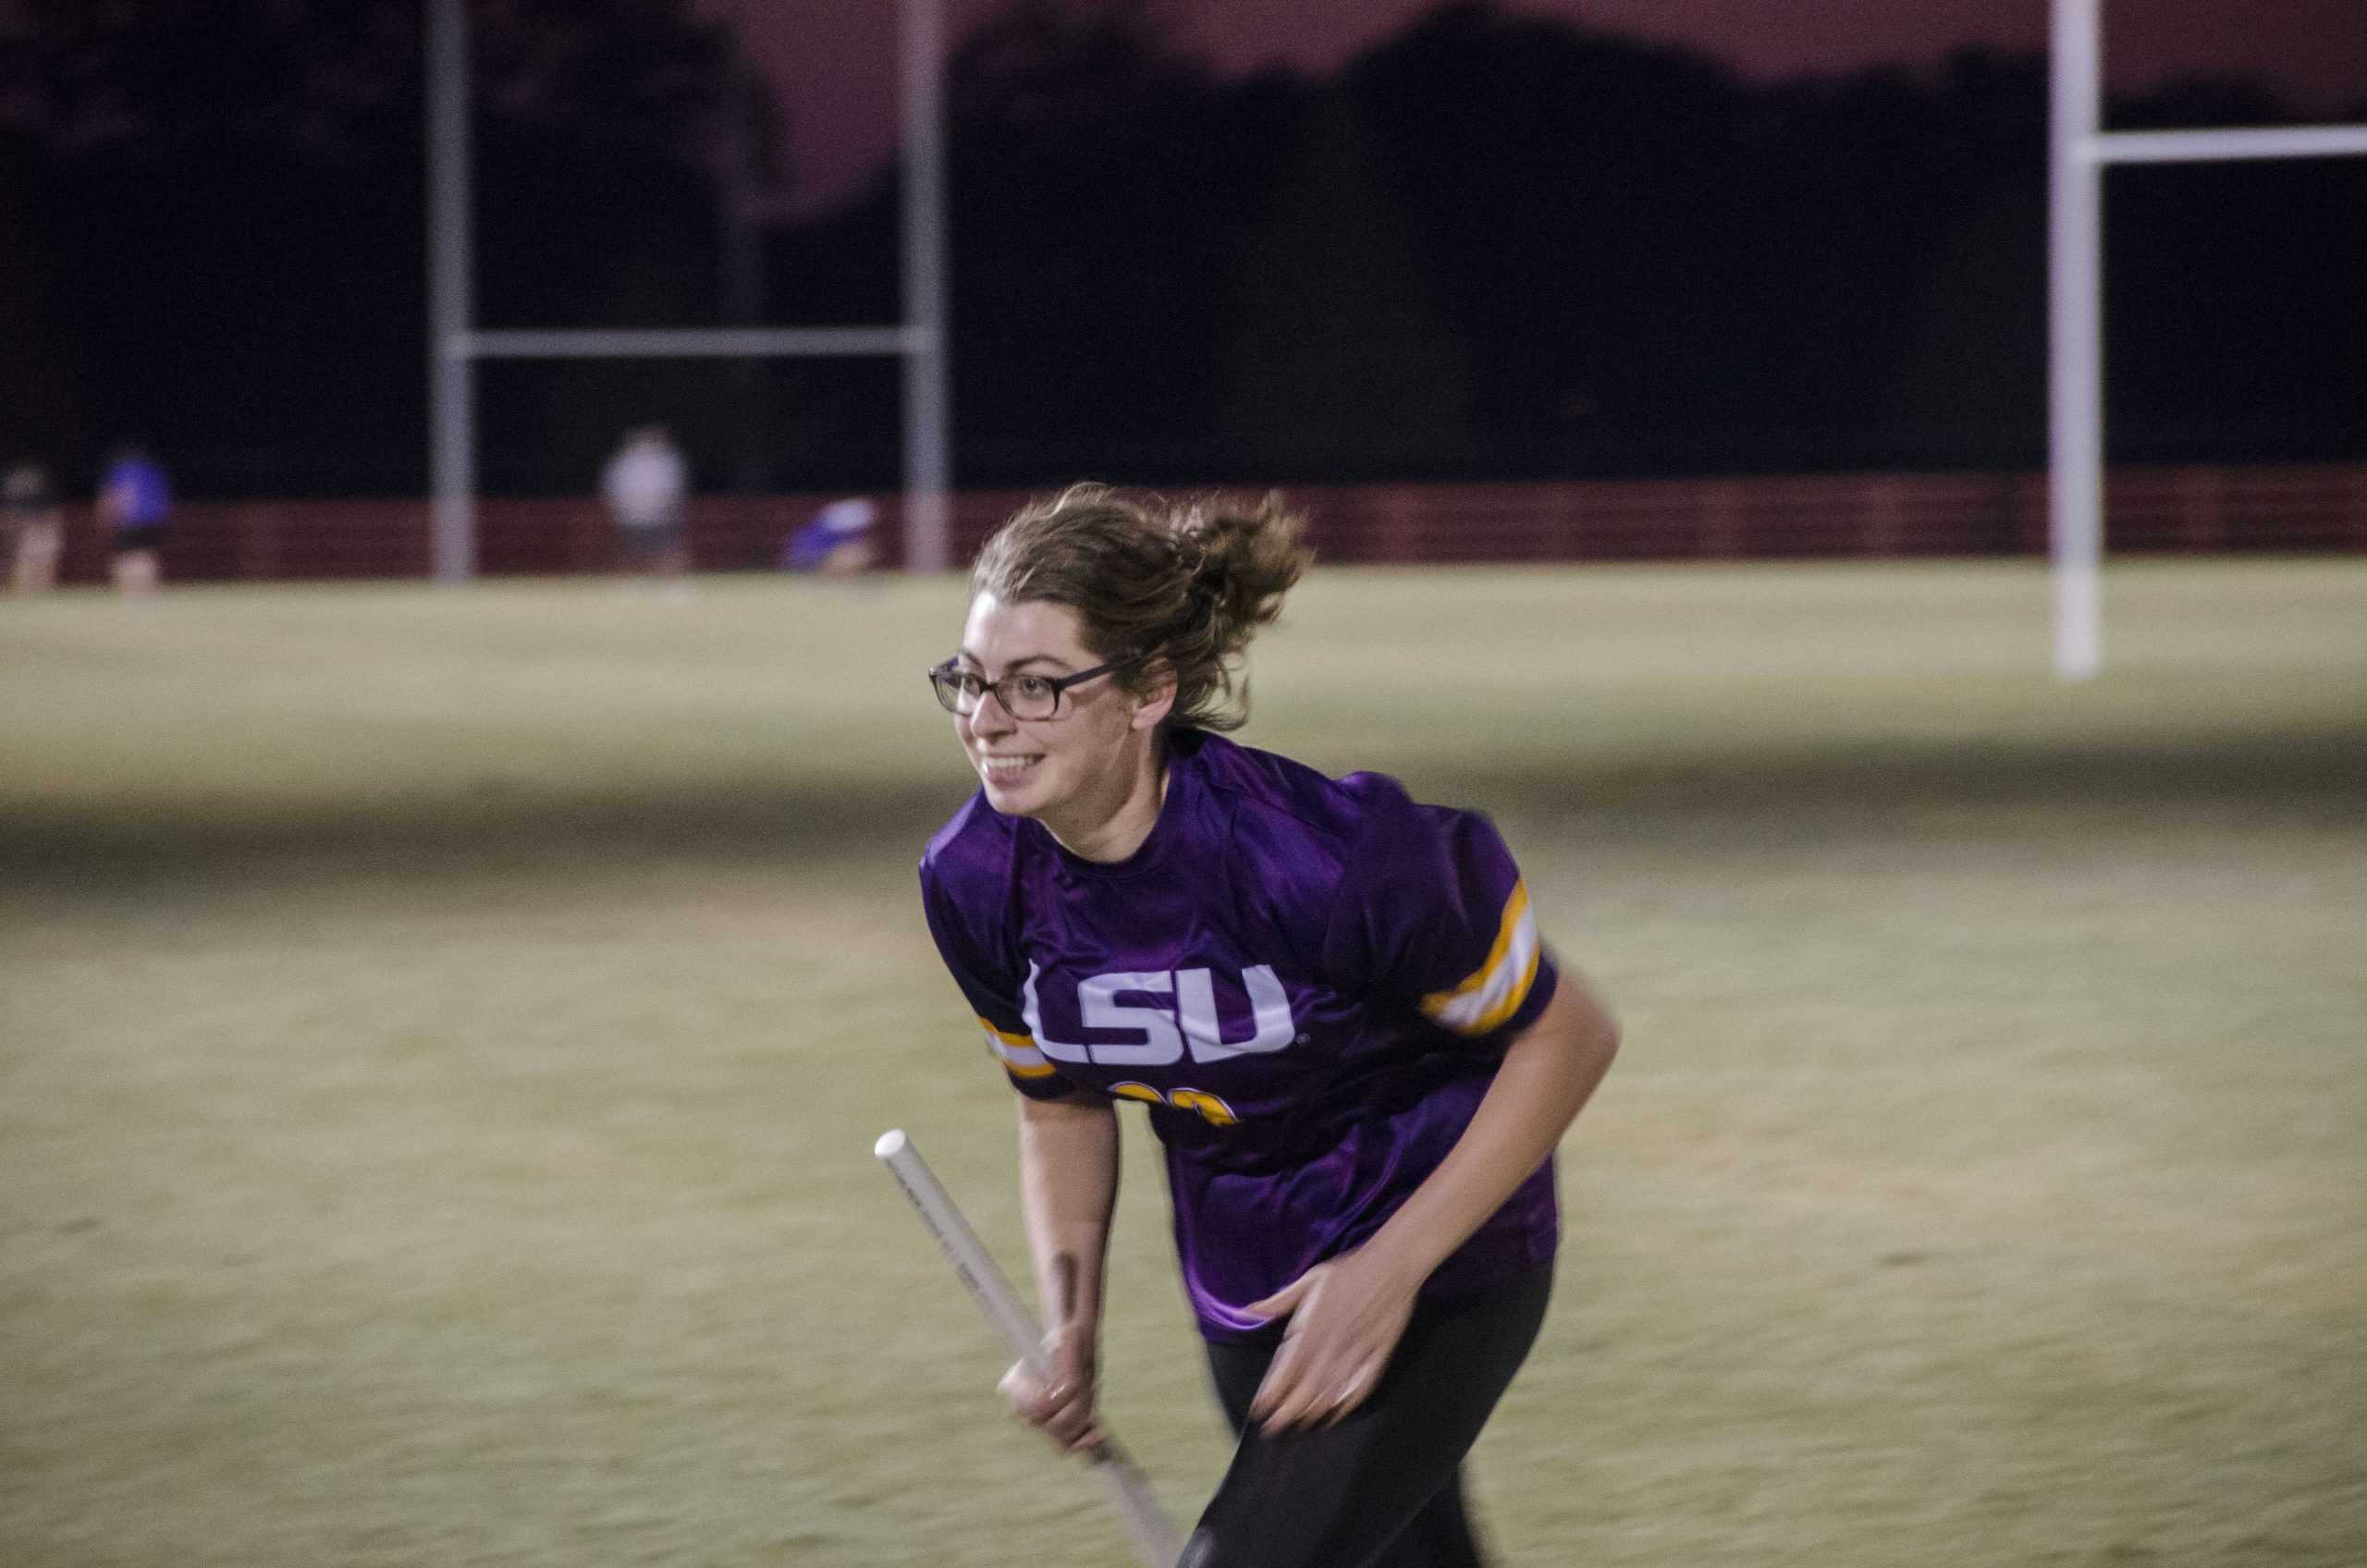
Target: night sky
column 834, row 60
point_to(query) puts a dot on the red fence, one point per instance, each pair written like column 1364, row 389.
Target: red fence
column 2317, row 506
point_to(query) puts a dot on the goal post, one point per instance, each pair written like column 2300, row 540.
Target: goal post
column 2080, row 152
column 456, row 345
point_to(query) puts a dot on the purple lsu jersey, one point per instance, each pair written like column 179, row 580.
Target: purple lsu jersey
column 1309, row 982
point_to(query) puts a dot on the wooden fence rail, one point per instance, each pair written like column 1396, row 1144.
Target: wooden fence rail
column 2301, row 508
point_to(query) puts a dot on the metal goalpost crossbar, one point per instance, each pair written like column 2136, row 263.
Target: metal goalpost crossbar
column 456, row 343
column 2080, row 150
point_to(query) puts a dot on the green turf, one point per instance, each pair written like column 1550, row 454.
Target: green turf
column 442, row 1035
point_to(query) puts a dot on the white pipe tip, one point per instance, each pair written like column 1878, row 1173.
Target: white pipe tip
column 890, row 1144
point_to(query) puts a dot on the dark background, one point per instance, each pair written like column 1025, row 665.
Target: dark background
column 1490, row 245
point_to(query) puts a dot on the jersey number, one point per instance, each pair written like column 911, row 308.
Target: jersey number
column 1213, row 1110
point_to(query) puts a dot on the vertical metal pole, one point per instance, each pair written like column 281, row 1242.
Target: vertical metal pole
column 2075, row 376
column 451, row 389
column 928, row 396
column 741, row 243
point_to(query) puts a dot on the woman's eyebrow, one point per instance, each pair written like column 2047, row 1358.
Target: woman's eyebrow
column 1023, row 658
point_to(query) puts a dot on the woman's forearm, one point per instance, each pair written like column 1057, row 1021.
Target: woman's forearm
column 1068, row 1188
column 1546, row 1078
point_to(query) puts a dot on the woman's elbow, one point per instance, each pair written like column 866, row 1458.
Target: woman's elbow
column 1588, row 1022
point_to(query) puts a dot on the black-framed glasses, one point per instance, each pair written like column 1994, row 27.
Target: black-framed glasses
column 1024, row 696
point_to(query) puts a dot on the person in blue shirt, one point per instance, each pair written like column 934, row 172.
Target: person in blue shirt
column 135, row 500
column 836, row 542
column 1333, row 1001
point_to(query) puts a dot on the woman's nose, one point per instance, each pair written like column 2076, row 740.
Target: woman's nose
column 989, row 715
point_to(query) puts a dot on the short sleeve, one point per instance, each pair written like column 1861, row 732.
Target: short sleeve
column 992, row 991
column 1434, row 913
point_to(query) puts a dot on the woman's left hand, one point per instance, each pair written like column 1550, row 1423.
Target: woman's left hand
column 1346, row 1316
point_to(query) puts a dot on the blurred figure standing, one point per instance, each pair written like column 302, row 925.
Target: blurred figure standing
column 645, row 486
column 135, row 500
column 31, row 528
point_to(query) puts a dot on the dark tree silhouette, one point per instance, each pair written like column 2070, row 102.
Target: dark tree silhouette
column 1495, row 243
column 1339, row 361
column 231, row 197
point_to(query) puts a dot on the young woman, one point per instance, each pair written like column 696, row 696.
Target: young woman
column 1333, row 1001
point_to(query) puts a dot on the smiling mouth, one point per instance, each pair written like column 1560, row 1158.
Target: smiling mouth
column 1007, row 767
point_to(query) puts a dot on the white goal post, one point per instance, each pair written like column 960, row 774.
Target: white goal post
column 2080, row 150
column 455, row 345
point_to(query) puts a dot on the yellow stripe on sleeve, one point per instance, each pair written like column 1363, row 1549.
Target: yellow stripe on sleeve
column 1017, row 1052
column 1495, row 991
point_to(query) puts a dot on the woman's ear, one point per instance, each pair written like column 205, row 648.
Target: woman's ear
column 1151, row 708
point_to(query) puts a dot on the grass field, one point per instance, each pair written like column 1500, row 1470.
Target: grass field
column 442, row 1035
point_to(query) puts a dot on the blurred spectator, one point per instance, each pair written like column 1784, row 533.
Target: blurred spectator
column 837, row 543
column 135, row 500
column 645, row 486
column 31, row 528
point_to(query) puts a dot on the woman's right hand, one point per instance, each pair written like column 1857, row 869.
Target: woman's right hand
column 1060, row 1404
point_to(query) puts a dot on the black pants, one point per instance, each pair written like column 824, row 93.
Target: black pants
column 1383, row 1488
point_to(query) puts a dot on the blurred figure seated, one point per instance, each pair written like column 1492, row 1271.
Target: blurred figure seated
column 837, row 543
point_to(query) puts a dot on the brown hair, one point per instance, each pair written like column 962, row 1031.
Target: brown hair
column 1180, row 586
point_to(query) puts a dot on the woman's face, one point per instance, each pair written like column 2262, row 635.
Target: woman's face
column 1047, row 768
